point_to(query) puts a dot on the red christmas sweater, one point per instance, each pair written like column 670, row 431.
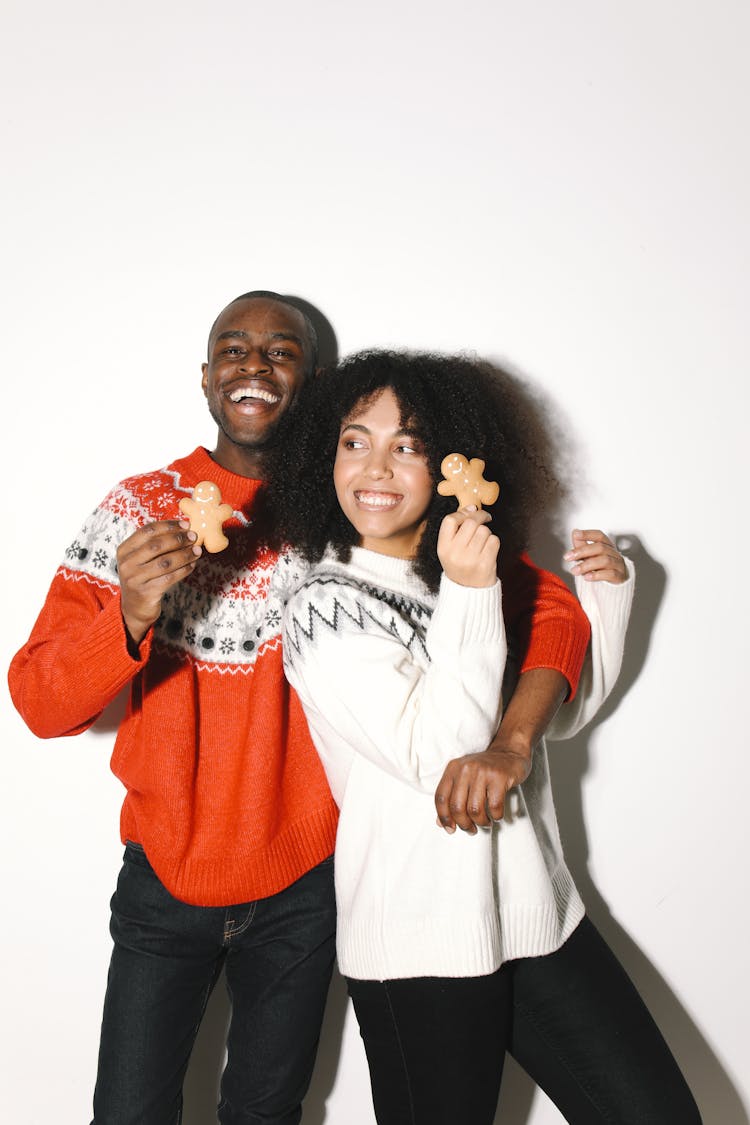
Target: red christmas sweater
column 224, row 789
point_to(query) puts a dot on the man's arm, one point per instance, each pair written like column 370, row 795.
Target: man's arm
column 473, row 788
column 92, row 635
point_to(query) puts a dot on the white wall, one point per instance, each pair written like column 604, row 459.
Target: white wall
column 562, row 186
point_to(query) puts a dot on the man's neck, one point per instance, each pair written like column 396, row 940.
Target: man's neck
column 242, row 462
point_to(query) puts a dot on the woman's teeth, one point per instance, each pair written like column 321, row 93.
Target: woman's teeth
column 377, row 499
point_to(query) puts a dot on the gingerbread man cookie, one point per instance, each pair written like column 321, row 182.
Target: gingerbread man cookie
column 464, row 480
column 206, row 514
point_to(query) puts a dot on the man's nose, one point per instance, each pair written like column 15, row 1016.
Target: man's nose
column 254, row 361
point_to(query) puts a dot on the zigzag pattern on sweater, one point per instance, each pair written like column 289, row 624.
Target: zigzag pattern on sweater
column 398, row 615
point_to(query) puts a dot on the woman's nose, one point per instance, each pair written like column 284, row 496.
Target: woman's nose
column 378, row 466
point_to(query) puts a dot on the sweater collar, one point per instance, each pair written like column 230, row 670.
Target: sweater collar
column 235, row 490
column 381, row 570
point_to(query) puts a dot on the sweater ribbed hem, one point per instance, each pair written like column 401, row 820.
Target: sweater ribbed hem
column 536, row 929
column 370, row 948
column 234, row 878
column 381, row 949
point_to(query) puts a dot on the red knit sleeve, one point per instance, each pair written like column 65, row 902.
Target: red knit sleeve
column 545, row 620
column 76, row 659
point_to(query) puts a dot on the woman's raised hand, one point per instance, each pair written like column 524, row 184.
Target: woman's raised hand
column 467, row 549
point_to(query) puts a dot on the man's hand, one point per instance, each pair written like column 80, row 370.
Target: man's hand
column 150, row 562
column 472, row 789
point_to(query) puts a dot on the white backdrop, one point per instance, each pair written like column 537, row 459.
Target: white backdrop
column 560, row 186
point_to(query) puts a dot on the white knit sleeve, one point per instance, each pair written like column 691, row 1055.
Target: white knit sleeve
column 367, row 692
column 607, row 606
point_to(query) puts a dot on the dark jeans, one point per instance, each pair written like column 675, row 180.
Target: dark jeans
column 572, row 1019
column 278, row 953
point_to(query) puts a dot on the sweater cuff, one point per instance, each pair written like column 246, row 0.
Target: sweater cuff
column 106, row 644
column 563, row 651
column 470, row 614
column 610, row 601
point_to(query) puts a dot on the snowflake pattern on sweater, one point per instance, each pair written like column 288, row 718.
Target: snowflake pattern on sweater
column 223, row 615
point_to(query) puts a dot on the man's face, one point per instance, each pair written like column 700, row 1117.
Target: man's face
column 259, row 356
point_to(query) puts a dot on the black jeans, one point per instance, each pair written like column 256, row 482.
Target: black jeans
column 572, row 1019
column 278, row 954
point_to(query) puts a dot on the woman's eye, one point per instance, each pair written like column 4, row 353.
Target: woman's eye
column 352, row 443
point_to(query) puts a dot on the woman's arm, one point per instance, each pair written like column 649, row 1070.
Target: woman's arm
column 371, row 686
column 605, row 584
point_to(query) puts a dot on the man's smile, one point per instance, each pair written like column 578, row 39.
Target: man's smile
column 248, row 392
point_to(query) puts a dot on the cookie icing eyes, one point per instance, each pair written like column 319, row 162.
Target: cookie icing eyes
column 464, row 479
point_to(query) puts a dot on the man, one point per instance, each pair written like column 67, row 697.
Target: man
column 228, row 822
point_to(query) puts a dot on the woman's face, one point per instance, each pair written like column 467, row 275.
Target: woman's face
column 381, row 477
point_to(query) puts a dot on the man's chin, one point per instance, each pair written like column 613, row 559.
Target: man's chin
column 252, row 438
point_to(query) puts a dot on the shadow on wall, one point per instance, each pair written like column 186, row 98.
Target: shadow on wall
column 712, row 1087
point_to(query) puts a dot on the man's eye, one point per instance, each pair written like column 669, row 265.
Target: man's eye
column 281, row 353
column 352, row 443
column 234, row 349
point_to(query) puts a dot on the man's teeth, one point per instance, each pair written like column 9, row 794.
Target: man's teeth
column 244, row 393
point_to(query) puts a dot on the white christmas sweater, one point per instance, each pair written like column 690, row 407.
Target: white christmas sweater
column 395, row 682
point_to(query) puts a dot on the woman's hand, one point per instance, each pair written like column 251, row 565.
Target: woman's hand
column 467, row 549
column 596, row 558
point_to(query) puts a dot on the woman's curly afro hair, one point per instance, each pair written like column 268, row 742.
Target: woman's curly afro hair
column 452, row 404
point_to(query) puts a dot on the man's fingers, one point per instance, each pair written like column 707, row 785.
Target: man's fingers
column 155, row 539
column 442, row 801
column 458, row 800
column 496, row 791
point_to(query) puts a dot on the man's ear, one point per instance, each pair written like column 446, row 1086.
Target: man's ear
column 204, row 379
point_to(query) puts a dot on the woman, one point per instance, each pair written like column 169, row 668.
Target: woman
column 455, row 948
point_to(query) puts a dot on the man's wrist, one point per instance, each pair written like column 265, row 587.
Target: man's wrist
column 517, row 743
column 134, row 637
